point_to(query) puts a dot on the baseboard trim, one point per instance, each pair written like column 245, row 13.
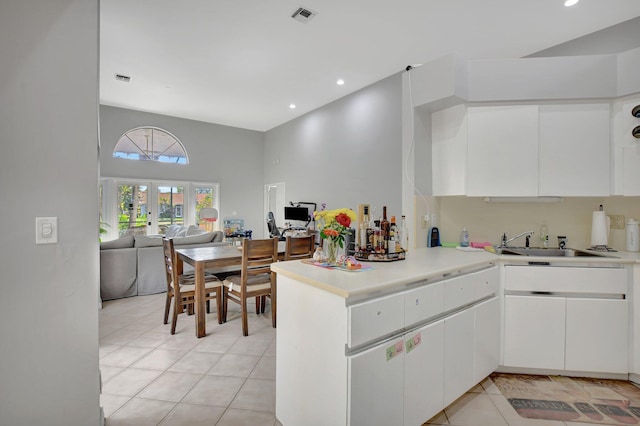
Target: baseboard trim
column 635, row 378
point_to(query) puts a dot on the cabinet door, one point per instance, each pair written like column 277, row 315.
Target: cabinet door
column 376, row 384
column 449, row 151
column 423, row 375
column 487, row 339
column 534, row 332
column 459, row 353
column 597, row 335
column 574, row 150
column 502, row 151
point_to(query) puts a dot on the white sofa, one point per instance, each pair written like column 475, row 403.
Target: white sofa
column 134, row 265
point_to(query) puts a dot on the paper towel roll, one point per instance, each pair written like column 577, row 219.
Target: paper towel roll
column 599, row 232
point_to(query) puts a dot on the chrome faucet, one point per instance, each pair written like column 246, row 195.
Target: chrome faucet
column 506, row 241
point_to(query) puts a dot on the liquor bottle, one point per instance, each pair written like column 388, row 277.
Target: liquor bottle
column 385, row 230
column 371, row 232
column 393, row 235
column 363, row 232
column 404, row 235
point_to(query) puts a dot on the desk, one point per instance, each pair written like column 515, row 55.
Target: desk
column 202, row 258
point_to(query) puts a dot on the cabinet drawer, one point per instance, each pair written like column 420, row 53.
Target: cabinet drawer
column 487, row 282
column 466, row 289
column 423, row 303
column 375, row 319
column 566, row 279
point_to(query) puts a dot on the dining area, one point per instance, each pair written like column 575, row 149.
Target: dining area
column 227, row 273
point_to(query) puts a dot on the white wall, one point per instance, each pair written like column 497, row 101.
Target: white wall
column 49, row 167
column 230, row 156
column 346, row 153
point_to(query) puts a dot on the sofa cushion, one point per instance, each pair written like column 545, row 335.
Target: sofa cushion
column 147, row 241
column 194, row 239
column 194, row 230
column 122, row 242
column 172, row 230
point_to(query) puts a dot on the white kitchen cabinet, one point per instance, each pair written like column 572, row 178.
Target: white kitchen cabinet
column 449, row 151
column 597, row 338
column 502, row 151
column 566, row 318
column 487, row 338
column 574, row 150
column 423, row 375
column 376, row 383
column 459, row 351
column 534, row 332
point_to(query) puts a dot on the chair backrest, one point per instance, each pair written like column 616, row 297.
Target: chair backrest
column 169, row 255
column 299, row 248
column 271, row 224
column 258, row 255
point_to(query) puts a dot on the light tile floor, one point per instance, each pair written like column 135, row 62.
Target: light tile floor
column 152, row 378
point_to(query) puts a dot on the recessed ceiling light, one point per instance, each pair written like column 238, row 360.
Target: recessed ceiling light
column 292, row 106
column 570, row 2
column 340, row 82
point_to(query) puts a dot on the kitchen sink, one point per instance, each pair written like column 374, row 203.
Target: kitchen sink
column 547, row 252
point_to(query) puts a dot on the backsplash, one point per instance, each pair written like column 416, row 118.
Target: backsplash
column 571, row 217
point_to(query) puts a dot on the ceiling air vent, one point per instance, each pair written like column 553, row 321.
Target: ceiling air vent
column 122, row 77
column 303, row 14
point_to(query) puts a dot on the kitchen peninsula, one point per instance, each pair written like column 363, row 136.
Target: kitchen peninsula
column 398, row 343
column 369, row 347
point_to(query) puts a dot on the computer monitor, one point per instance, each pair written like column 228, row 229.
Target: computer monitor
column 296, row 213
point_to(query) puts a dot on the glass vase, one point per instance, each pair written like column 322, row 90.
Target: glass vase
column 332, row 251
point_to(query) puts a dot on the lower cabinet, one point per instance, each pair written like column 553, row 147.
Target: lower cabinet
column 399, row 379
column 459, row 350
column 534, row 332
column 597, row 342
column 584, row 327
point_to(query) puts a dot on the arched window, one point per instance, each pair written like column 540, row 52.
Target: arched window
column 150, row 143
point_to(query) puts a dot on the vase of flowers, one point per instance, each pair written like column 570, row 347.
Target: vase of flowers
column 334, row 225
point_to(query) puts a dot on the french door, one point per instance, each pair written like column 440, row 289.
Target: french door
column 131, row 207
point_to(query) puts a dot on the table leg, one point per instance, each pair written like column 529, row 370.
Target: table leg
column 199, row 301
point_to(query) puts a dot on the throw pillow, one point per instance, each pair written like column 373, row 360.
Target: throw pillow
column 147, row 241
column 194, row 239
column 182, row 232
column 122, row 242
column 172, row 230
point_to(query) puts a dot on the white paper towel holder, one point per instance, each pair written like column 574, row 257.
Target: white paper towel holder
column 600, row 226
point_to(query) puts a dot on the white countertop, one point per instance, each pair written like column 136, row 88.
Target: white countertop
column 421, row 264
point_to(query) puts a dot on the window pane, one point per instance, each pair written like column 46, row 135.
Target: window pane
column 170, row 207
column 150, row 143
column 132, row 210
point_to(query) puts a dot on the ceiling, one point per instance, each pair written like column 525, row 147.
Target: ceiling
column 243, row 62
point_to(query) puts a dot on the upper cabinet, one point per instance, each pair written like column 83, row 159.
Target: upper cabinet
column 574, row 150
column 502, row 148
column 522, row 150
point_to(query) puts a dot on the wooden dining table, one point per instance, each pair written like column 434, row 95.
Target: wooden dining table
column 212, row 259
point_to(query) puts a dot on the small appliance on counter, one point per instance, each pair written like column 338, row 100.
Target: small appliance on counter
column 433, row 235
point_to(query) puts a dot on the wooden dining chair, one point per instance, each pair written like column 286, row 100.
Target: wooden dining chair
column 255, row 280
column 183, row 294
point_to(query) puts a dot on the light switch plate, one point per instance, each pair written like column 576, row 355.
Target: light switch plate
column 46, row 230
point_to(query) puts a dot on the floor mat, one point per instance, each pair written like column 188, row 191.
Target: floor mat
column 572, row 399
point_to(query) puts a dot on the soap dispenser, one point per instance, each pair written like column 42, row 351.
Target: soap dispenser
column 464, row 237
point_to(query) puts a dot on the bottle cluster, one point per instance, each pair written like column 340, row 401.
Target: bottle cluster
column 381, row 238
